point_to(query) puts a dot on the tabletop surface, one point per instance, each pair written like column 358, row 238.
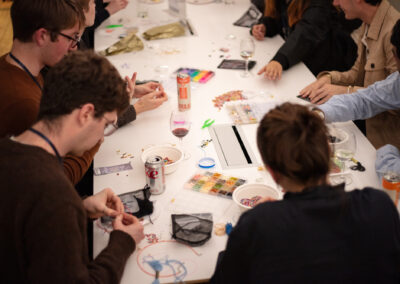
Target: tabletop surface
column 213, row 29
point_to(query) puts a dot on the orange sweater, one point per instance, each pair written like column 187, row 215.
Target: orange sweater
column 19, row 107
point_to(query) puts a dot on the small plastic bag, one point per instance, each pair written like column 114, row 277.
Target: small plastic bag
column 135, row 202
column 192, row 229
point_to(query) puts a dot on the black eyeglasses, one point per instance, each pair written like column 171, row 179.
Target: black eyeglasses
column 74, row 40
column 110, row 127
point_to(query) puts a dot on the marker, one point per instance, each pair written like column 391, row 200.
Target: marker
column 114, row 26
column 207, row 77
column 200, row 75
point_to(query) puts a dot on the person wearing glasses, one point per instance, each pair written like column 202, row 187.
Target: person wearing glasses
column 318, row 233
column 52, row 31
column 43, row 219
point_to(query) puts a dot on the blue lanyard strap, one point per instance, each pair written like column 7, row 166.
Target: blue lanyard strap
column 26, row 70
column 48, row 142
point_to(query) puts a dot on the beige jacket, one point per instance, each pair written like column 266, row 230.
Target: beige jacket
column 379, row 65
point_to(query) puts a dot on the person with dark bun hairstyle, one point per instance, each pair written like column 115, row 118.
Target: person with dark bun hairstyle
column 318, row 233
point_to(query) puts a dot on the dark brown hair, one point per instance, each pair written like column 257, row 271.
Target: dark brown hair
column 395, row 38
column 82, row 77
column 28, row 16
column 295, row 10
column 293, row 141
column 84, row 4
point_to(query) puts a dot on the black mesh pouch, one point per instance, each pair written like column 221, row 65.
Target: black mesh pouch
column 193, row 229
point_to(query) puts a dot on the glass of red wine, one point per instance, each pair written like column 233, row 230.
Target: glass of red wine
column 180, row 124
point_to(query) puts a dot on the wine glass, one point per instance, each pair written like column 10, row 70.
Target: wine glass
column 180, row 124
column 343, row 145
column 246, row 52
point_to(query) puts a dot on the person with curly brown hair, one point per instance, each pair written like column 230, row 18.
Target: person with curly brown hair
column 43, row 238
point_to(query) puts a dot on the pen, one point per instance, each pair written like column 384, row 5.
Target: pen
column 189, row 27
column 207, row 77
column 114, row 26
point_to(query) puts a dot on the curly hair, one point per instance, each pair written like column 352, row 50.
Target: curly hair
column 82, row 77
column 293, row 141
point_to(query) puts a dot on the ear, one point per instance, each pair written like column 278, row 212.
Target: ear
column 86, row 114
column 41, row 37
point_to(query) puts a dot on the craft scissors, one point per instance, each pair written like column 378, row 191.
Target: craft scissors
column 357, row 166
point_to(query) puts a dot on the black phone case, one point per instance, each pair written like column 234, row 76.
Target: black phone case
column 235, row 64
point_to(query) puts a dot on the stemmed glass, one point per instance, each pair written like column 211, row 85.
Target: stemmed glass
column 344, row 146
column 180, row 124
column 247, row 48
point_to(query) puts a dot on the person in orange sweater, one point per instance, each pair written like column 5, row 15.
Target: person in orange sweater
column 44, row 32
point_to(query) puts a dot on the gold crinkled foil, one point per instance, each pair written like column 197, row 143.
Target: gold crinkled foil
column 166, row 31
column 128, row 44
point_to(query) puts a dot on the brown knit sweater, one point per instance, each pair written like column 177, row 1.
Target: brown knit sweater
column 43, row 224
column 19, row 107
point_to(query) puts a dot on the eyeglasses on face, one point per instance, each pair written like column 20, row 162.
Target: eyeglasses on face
column 110, row 127
column 74, row 40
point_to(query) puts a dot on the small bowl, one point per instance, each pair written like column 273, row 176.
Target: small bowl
column 251, row 190
column 165, row 151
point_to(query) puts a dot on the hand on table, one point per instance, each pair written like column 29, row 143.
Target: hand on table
column 258, row 31
column 141, row 90
column 272, row 71
column 130, row 225
column 116, row 5
column 324, row 93
column 310, row 89
column 150, row 101
column 104, row 203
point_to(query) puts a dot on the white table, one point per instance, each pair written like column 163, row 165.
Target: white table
column 212, row 23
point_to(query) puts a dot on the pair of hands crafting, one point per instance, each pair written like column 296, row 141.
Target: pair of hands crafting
column 106, row 203
column 322, row 90
column 273, row 70
column 115, row 5
column 150, row 95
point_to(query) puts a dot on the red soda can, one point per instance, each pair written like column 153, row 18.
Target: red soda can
column 183, row 82
column 155, row 176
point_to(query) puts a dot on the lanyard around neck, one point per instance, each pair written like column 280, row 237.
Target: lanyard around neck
column 22, row 65
column 40, row 134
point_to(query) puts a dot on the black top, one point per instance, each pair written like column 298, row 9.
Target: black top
column 318, row 39
column 322, row 235
column 43, row 224
column 87, row 40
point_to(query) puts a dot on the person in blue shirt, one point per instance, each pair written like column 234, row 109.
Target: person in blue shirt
column 365, row 103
